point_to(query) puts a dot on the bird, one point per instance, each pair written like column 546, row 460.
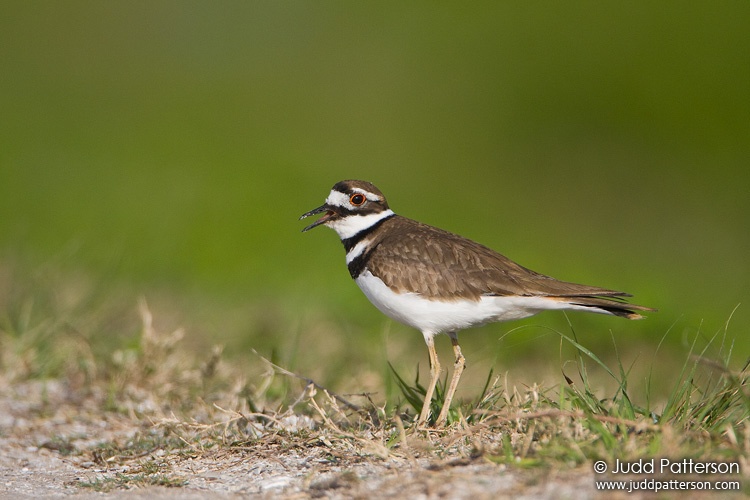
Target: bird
column 439, row 282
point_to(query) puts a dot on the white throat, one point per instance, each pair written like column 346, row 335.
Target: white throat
column 353, row 224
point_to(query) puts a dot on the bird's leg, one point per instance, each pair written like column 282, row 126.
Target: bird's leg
column 434, row 375
column 458, row 368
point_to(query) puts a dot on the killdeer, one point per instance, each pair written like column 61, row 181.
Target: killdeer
column 439, row 282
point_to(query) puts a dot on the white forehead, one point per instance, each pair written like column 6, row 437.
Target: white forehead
column 340, row 199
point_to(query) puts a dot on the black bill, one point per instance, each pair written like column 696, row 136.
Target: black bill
column 322, row 220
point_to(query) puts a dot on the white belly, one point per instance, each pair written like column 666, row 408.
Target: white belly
column 433, row 317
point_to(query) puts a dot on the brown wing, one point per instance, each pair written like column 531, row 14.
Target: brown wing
column 436, row 263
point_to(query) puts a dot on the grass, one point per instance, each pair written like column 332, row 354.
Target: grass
column 190, row 404
column 147, row 457
column 705, row 414
column 133, row 480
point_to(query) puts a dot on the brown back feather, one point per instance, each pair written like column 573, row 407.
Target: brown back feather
column 410, row 256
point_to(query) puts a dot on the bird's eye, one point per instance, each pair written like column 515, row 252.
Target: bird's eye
column 357, row 199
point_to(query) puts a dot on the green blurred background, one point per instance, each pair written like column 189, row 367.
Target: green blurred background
column 168, row 148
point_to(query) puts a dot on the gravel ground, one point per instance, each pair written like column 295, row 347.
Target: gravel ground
column 40, row 472
column 48, row 441
column 46, row 438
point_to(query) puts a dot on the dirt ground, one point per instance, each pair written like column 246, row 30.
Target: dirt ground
column 48, row 443
column 34, row 472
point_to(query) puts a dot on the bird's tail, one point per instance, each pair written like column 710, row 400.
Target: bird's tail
column 608, row 305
